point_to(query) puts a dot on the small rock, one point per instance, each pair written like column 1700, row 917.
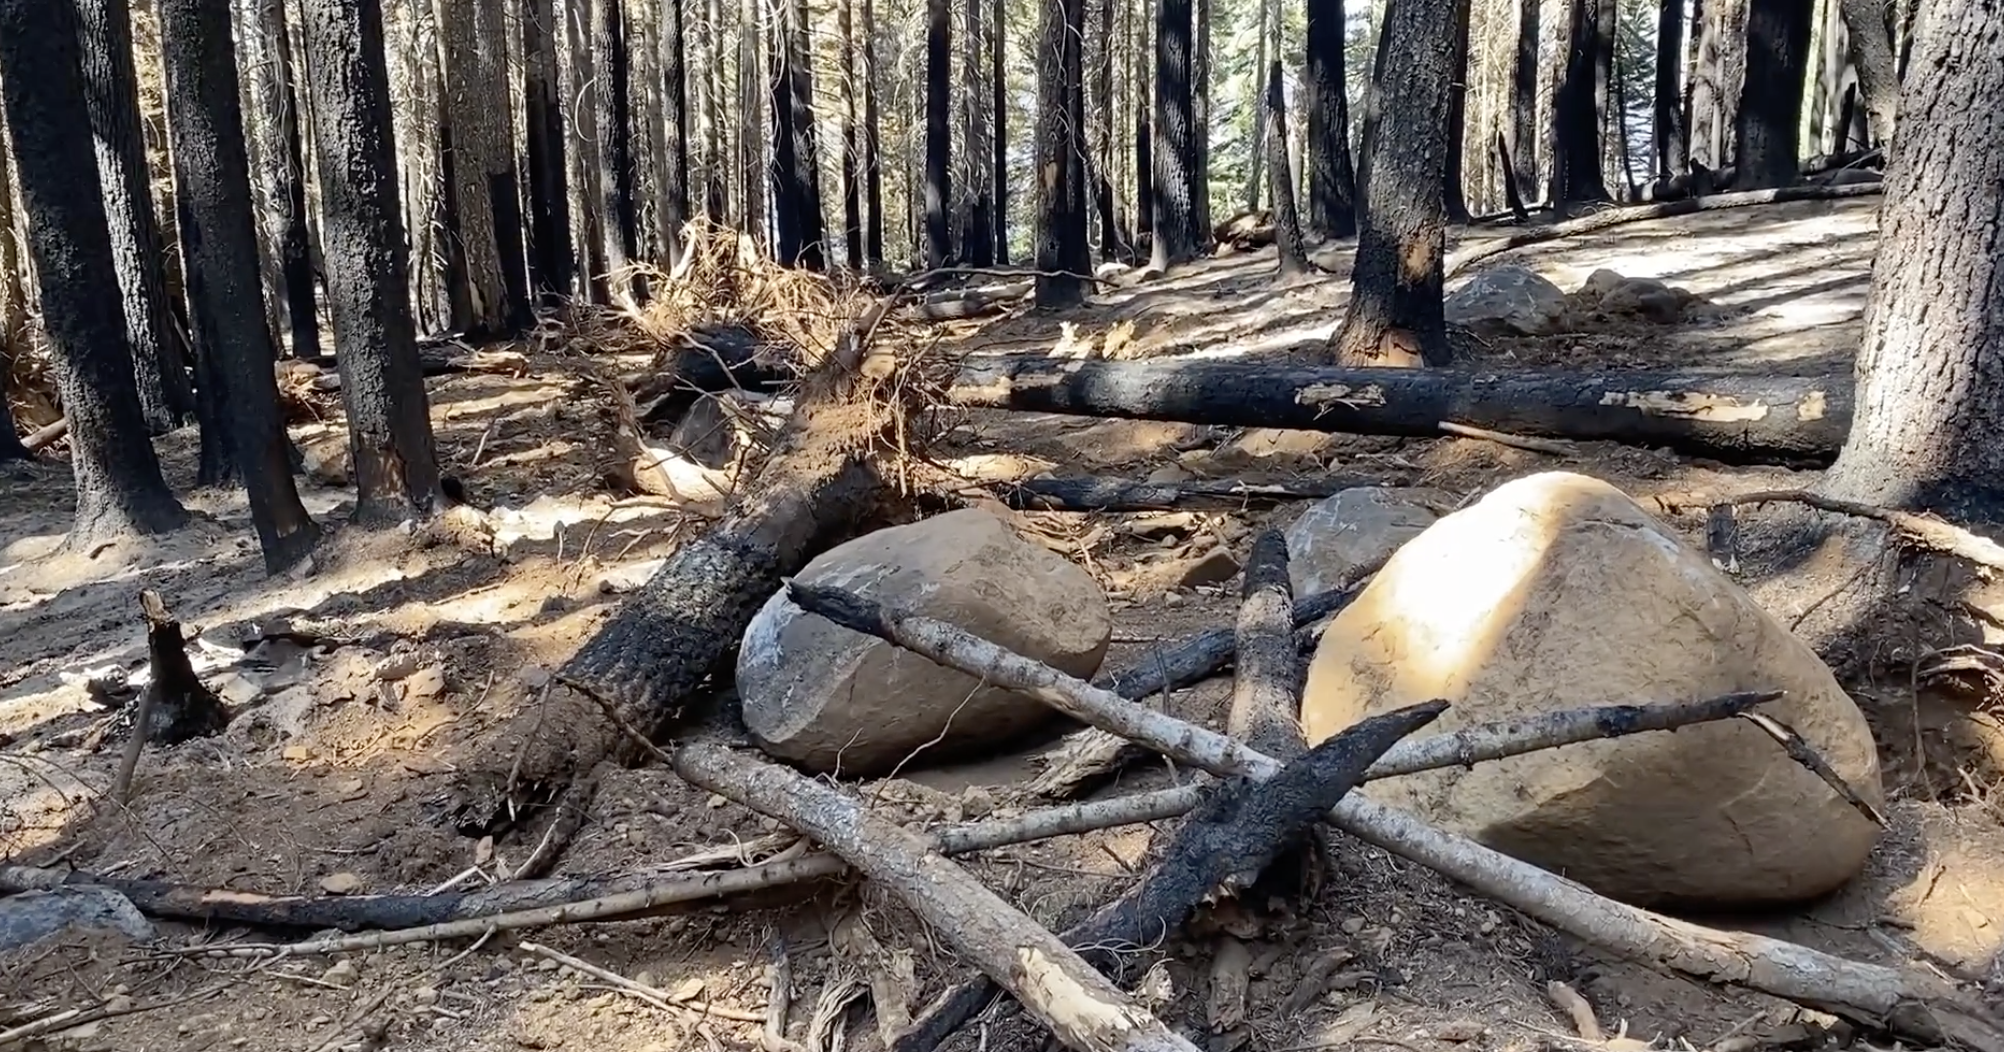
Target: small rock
column 646, row 978
column 1212, row 567
column 31, row 916
column 425, row 684
column 1508, row 300
column 341, row 972
column 1458, row 1031
column 547, row 965
column 296, row 754
column 534, row 677
column 1169, row 474
column 396, row 667
column 424, row 996
column 716, row 800
column 343, row 883
column 687, row 990
column 1352, row 925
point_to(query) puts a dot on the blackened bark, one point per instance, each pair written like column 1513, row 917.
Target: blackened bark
column 10, row 440
column 1930, row 401
column 938, row 136
column 119, row 487
column 1395, row 314
column 1269, row 29
column 551, row 262
column 1576, row 119
column 873, row 173
column 1144, row 126
column 585, row 146
column 1454, row 196
column 13, row 309
column 483, row 166
column 1790, row 419
column 613, row 96
column 977, row 236
column 375, row 342
column 1870, row 45
column 1113, row 245
column 1061, row 248
column 1672, row 143
column 219, row 244
column 1512, row 196
column 1770, row 111
column 285, row 175
column 1524, row 99
column 1332, row 181
column 852, row 207
column 806, row 175
column 1200, row 122
column 674, row 186
column 1286, row 226
column 1174, row 149
column 999, row 120
column 112, row 94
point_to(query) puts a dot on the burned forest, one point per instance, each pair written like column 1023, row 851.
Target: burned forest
column 1002, row 525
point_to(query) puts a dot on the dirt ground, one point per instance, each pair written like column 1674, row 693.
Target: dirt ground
column 337, row 785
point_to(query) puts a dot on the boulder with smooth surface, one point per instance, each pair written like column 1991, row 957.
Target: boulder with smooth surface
column 1508, row 300
column 834, row 700
column 1557, row 591
column 1353, row 528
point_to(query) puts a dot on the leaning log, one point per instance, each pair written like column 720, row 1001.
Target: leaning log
column 1099, row 493
column 1735, row 418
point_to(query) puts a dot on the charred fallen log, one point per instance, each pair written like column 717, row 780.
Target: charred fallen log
column 1735, row 418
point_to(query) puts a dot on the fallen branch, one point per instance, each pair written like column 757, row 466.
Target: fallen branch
column 1615, row 217
column 1078, row 1004
column 656, row 997
column 1735, row 418
column 48, row 435
column 1112, row 494
column 71, row 1018
column 1266, row 691
column 1224, row 846
column 1909, row 1004
column 1534, row 445
column 1925, row 531
column 1812, row 761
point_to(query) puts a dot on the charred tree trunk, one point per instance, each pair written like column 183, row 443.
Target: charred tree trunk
column 612, row 96
column 1673, row 145
column 1332, row 180
column 938, row 134
column 796, row 183
column 1286, row 226
column 1576, row 118
column 675, row 119
column 219, row 243
column 1112, row 244
column 488, row 217
column 1743, row 418
column 1717, row 74
column 873, row 173
column 13, row 307
column 1930, row 404
column 852, row 198
column 1770, row 110
column 1870, row 45
column 1455, row 197
column 999, row 114
column 119, row 487
column 1175, row 149
column 382, row 387
column 112, row 94
column 552, row 265
column 1524, row 100
column 1269, row 23
column 978, row 240
column 284, row 177
column 1062, row 253
column 1395, row 314
column 1144, row 159
column 1200, row 122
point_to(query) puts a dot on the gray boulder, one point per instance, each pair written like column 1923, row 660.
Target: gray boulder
column 830, row 699
column 1361, row 525
column 1508, row 300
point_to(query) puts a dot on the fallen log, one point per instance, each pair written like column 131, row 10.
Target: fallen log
column 1079, row 1005
column 1734, row 418
column 1614, row 217
column 709, row 359
column 1224, row 846
column 1115, row 494
column 1909, row 1004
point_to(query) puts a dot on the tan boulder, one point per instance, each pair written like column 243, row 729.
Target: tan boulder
column 829, row 698
column 1557, row 591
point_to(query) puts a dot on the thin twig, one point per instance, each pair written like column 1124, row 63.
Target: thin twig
column 1535, row 445
column 642, row 991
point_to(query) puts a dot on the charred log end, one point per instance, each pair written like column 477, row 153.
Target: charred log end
column 844, row 608
column 182, row 708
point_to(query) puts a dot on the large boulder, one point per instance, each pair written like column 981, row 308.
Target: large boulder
column 832, row 699
column 1508, row 300
column 1556, row 591
column 1356, row 526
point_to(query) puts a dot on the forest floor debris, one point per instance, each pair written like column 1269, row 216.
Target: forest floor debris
column 341, row 779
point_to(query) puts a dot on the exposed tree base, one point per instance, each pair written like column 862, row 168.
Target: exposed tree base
column 709, row 359
column 1614, row 217
column 1221, row 848
column 177, row 707
column 1737, row 419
